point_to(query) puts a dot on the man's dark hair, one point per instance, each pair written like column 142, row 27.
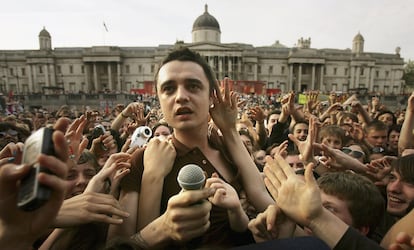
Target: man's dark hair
column 404, row 166
column 364, row 200
column 376, row 125
column 185, row 54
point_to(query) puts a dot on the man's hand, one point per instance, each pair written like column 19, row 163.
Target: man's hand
column 224, row 109
column 89, row 207
column 19, row 229
column 187, row 215
column 271, row 224
column 110, row 172
column 299, row 199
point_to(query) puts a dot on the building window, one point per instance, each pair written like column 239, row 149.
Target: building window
column 387, row 73
column 250, row 68
column 11, row 71
column 259, row 69
column 83, row 69
column 139, row 68
column 324, row 70
column 346, row 71
column 152, row 68
column 335, row 71
column 270, row 69
column 283, row 70
column 362, row 71
column 71, row 69
column 40, row 69
column 270, row 85
column 127, row 69
column 377, row 73
column 23, row 71
column 59, row 69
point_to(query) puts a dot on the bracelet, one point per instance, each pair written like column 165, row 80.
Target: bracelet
column 140, row 241
column 125, row 116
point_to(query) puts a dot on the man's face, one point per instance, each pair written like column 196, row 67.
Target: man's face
column 399, row 194
column 79, row 176
column 247, row 143
column 272, row 121
column 393, row 139
column 377, row 138
column 387, row 119
column 301, row 131
column 183, row 92
column 295, row 162
column 332, row 141
column 338, row 207
column 259, row 157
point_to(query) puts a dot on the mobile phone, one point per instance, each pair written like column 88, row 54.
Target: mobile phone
column 140, row 136
column 32, row 194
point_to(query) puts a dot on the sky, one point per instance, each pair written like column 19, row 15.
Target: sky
column 384, row 24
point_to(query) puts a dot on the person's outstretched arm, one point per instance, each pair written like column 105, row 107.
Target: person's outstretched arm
column 301, row 201
column 224, row 115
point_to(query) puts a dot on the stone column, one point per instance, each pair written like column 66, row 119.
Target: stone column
column 35, row 81
column 230, row 67
column 313, row 77
column 321, row 80
column 110, row 87
column 30, row 77
column 118, row 75
column 220, row 67
column 358, row 73
column 352, row 77
column 86, row 75
column 47, row 75
column 53, row 74
column 95, row 77
column 371, row 80
column 299, row 77
column 239, row 71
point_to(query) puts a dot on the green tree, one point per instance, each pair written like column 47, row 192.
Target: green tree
column 408, row 76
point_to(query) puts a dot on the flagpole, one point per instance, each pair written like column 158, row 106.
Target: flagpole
column 104, row 31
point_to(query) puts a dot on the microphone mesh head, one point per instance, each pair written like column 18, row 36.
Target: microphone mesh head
column 191, row 177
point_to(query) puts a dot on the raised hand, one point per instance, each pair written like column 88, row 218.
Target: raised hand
column 11, row 153
column 224, row 107
column 271, row 224
column 20, row 228
column 225, row 195
column 114, row 168
column 299, row 199
column 306, row 147
column 89, row 207
column 74, row 136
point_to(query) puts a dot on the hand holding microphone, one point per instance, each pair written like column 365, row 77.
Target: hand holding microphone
column 188, row 212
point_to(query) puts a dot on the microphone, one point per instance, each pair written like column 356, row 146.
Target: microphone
column 191, row 177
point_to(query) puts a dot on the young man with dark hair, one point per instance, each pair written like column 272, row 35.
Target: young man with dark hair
column 161, row 215
column 353, row 198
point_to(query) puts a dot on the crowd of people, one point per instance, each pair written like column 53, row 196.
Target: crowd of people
column 278, row 174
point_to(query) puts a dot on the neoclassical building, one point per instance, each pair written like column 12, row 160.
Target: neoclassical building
column 261, row 70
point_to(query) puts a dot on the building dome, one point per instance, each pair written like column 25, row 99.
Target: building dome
column 206, row 21
column 44, row 33
column 359, row 37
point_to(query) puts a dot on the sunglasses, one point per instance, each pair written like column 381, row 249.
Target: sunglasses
column 353, row 153
column 377, row 150
column 10, row 132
